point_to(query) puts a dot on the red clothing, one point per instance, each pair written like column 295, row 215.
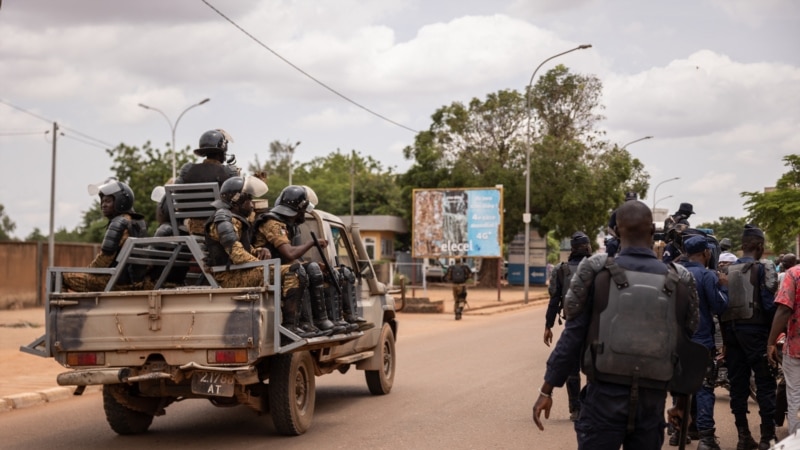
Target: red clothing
column 787, row 295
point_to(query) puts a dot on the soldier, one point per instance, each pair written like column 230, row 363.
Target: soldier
column 559, row 284
column 214, row 146
column 277, row 230
column 673, row 227
column 227, row 233
column 458, row 274
column 116, row 203
column 752, row 284
column 616, row 310
column 713, row 302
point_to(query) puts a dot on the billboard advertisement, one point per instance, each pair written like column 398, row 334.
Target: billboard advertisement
column 457, row 222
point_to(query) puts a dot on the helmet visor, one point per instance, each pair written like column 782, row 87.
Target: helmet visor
column 312, row 198
column 255, row 187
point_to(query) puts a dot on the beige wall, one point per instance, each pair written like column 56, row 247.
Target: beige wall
column 24, row 268
column 378, row 236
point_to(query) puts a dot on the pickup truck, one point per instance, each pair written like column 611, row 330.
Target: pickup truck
column 149, row 348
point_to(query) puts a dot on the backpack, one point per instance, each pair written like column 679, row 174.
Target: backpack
column 458, row 274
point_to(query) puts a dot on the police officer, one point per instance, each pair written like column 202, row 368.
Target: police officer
column 752, row 284
column 629, row 365
column 214, row 146
column 559, row 284
column 713, row 302
column 227, row 233
column 612, row 240
column 116, row 203
column 278, row 231
column 458, row 274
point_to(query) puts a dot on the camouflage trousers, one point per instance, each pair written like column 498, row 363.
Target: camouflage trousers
column 241, row 278
column 459, row 295
column 93, row 282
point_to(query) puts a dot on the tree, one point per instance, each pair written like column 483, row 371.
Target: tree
column 7, row 226
column 36, row 235
column 776, row 210
column 576, row 178
column 727, row 227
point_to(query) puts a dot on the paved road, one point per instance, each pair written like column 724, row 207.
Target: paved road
column 467, row 384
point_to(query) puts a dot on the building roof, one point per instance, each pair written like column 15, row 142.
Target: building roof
column 378, row 223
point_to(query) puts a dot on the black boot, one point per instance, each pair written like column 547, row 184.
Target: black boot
column 708, row 441
column 459, row 309
column 335, row 305
column 767, row 437
column 307, row 318
column 674, row 435
column 290, row 311
column 746, row 441
column 349, row 308
column 318, row 309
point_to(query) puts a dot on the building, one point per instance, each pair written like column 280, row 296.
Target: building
column 378, row 234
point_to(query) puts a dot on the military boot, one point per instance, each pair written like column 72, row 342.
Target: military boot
column 318, row 310
column 674, row 436
column 307, row 318
column 290, row 311
column 349, row 305
column 746, row 441
column 708, row 441
column 767, row 437
column 330, row 307
column 335, row 313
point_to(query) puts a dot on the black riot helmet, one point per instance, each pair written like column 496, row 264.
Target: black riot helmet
column 292, row 201
column 235, row 190
column 212, row 142
column 122, row 193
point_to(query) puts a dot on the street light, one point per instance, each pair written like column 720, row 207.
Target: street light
column 659, row 200
column 526, row 218
column 637, row 140
column 173, row 127
column 656, row 190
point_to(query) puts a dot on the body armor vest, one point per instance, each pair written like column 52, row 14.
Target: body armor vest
column 744, row 306
column 634, row 333
column 205, row 173
column 217, row 256
column 262, row 219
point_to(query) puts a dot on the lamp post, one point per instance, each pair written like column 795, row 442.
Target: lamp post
column 659, row 200
column 526, row 218
column 656, row 190
column 174, row 127
column 637, row 140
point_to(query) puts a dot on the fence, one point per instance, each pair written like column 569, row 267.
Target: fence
column 24, row 268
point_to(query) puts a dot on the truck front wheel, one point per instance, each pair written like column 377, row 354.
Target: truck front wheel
column 380, row 381
column 291, row 392
column 122, row 419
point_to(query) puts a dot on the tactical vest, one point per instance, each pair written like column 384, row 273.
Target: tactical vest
column 565, row 273
column 217, row 256
column 744, row 304
column 205, row 173
column 291, row 230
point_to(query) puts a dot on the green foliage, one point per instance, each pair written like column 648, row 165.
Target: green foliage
column 553, row 249
column 728, row 227
column 777, row 211
column 35, row 236
column 7, row 226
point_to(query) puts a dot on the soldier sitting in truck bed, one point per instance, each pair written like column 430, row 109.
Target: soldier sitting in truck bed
column 116, row 203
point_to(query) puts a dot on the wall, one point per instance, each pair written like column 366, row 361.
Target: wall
column 24, row 268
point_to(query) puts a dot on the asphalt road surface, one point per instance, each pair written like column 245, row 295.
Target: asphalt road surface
column 467, row 385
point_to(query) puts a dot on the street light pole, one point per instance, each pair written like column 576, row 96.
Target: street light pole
column 659, row 201
column 174, row 127
column 637, row 140
column 656, row 190
column 526, row 218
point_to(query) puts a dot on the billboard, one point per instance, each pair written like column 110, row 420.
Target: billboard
column 457, row 222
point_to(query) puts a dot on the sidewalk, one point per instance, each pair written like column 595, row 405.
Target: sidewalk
column 27, row 380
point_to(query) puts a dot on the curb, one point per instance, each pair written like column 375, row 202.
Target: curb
column 29, row 399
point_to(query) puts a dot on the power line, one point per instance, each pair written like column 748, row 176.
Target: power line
column 344, row 97
column 18, row 108
column 83, row 141
column 22, row 133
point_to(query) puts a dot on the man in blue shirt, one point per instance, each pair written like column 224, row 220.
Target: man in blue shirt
column 712, row 303
column 629, row 411
column 745, row 325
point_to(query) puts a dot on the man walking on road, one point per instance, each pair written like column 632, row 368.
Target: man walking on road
column 458, row 274
column 623, row 402
column 559, row 284
column 787, row 320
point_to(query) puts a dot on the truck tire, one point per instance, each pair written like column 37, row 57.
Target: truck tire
column 122, row 419
column 291, row 392
column 380, row 382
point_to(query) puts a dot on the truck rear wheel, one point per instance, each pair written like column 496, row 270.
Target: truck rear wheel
column 380, row 381
column 122, row 419
column 291, row 392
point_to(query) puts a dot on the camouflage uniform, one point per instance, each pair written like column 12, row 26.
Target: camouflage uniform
column 459, row 288
column 275, row 233
column 238, row 255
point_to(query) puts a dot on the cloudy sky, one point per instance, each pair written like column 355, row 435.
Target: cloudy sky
column 716, row 82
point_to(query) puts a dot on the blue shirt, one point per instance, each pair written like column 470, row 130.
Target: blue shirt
column 713, row 302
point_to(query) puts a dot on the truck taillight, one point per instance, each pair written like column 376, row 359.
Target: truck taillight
column 227, row 356
column 86, row 358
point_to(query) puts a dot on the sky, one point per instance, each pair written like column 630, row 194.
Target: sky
column 715, row 82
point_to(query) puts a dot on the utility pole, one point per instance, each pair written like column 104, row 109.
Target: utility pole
column 352, row 184
column 51, row 241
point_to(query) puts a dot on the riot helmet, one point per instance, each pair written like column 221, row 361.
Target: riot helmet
column 213, row 141
column 122, row 193
column 294, row 201
column 236, row 190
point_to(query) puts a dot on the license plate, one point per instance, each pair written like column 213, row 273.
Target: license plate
column 217, row 384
